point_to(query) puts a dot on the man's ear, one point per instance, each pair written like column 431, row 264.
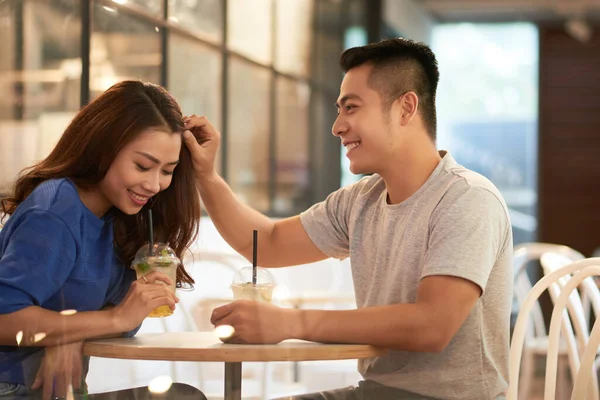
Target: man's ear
column 408, row 106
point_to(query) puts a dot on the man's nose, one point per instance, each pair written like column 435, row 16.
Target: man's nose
column 339, row 127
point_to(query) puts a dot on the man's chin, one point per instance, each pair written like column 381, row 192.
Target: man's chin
column 358, row 170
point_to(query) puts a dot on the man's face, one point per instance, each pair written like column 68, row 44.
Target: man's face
column 363, row 125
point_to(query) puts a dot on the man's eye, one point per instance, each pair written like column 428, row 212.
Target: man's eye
column 142, row 168
column 350, row 107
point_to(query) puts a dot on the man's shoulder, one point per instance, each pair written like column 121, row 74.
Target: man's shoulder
column 463, row 182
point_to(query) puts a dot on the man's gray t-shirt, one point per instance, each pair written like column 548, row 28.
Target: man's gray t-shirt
column 456, row 224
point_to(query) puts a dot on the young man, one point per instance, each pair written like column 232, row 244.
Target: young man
column 430, row 242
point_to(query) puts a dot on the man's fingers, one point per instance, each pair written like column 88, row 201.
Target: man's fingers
column 190, row 141
column 202, row 124
column 221, row 312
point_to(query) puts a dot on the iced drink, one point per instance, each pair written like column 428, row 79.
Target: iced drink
column 244, row 289
column 163, row 260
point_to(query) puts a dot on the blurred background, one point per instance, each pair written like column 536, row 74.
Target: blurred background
column 518, row 99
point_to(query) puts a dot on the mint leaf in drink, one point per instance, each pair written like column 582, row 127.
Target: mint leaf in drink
column 163, row 262
column 143, row 267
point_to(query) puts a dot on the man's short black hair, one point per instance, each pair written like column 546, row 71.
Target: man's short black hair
column 399, row 66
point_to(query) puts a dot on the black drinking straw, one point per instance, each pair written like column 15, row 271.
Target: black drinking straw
column 150, row 233
column 254, row 248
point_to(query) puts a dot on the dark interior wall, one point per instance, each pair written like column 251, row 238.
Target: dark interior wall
column 569, row 140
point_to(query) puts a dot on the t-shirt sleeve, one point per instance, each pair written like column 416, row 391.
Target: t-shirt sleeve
column 119, row 290
column 327, row 222
column 39, row 256
column 468, row 232
column 120, row 286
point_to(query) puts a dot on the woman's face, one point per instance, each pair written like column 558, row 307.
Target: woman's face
column 141, row 169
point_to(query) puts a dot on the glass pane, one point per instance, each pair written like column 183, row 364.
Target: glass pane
column 154, row 7
column 40, row 79
column 249, row 29
column 293, row 36
column 329, row 44
column 292, row 159
column 248, row 133
column 196, row 83
column 122, row 47
column 487, row 109
column 204, row 17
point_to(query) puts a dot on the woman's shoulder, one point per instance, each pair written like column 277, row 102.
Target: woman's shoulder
column 54, row 196
column 54, row 193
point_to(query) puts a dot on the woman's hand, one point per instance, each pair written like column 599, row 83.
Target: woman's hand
column 60, row 370
column 143, row 297
column 202, row 140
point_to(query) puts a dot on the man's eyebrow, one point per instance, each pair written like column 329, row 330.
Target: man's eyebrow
column 345, row 98
column 154, row 159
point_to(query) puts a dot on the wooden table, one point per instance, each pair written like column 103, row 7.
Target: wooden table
column 205, row 346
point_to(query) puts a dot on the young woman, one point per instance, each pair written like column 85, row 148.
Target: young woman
column 76, row 220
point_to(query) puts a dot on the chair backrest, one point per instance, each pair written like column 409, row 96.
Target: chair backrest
column 588, row 367
column 522, row 255
column 582, row 270
column 552, row 262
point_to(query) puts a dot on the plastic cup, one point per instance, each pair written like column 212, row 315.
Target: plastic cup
column 163, row 260
column 244, row 289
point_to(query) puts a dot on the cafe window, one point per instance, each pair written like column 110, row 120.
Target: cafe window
column 487, row 109
column 265, row 73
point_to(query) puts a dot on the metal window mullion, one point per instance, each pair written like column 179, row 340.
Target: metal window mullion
column 164, row 47
column 85, row 46
column 224, row 92
column 19, row 64
column 272, row 176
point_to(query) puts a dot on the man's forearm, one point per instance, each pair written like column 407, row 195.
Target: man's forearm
column 400, row 327
column 234, row 221
column 41, row 327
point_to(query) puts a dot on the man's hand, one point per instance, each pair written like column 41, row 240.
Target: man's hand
column 257, row 322
column 203, row 143
column 60, row 370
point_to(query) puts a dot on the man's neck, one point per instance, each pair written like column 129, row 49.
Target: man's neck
column 410, row 171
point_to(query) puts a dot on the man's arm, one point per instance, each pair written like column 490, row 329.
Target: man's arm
column 443, row 304
column 280, row 243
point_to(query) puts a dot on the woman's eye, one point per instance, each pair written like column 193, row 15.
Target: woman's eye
column 167, row 172
column 142, row 168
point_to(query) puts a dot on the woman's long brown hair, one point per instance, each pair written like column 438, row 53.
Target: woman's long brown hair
column 90, row 144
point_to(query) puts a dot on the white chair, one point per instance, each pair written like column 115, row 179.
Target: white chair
column 577, row 305
column 582, row 269
column 536, row 339
column 587, row 363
